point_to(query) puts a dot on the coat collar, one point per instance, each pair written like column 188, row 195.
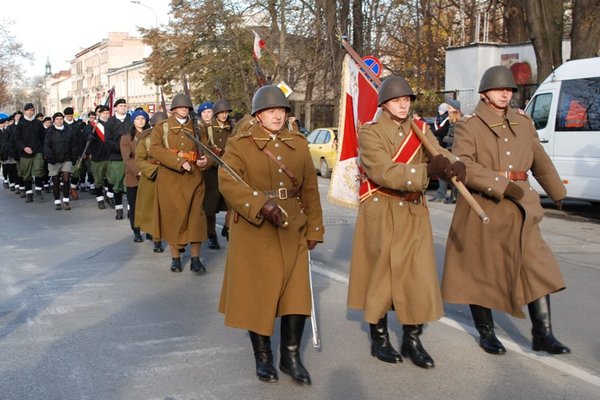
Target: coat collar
column 389, row 125
column 261, row 137
column 495, row 122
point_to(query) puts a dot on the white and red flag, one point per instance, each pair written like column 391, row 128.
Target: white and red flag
column 258, row 45
column 358, row 105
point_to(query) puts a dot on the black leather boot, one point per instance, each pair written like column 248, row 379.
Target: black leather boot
column 29, row 198
column 264, row 357
column 213, row 243
column 119, row 214
column 196, row 265
column 101, row 205
column 543, row 338
column 412, row 347
column 137, row 236
column 292, row 327
column 225, row 232
column 176, row 265
column 380, row 342
column 158, row 247
column 484, row 323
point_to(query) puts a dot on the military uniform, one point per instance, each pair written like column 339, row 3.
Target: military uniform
column 501, row 265
column 505, row 264
column 178, row 214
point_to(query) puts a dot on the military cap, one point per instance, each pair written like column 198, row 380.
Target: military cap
column 119, row 101
column 57, row 114
column 102, row 108
column 28, row 106
column 68, row 111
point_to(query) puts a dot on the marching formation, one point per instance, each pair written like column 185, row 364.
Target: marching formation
column 179, row 170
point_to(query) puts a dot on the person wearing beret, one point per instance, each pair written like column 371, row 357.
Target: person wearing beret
column 9, row 165
column 205, row 111
column 117, row 126
column 11, row 129
column 29, row 140
column 60, row 151
column 128, row 145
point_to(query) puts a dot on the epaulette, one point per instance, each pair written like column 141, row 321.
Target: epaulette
column 523, row 113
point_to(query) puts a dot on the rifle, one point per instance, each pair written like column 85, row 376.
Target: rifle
column 193, row 114
column 82, row 156
column 162, row 100
column 376, row 82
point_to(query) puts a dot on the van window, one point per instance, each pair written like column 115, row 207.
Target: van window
column 540, row 110
column 579, row 105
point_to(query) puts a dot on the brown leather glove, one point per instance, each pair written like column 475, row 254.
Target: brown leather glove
column 457, row 169
column 513, row 191
column 311, row 244
column 272, row 213
column 437, row 166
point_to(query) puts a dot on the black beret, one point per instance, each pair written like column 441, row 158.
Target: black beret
column 119, row 101
column 69, row 111
column 100, row 109
column 28, row 106
column 58, row 114
column 91, row 113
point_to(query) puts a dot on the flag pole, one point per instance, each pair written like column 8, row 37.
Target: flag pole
column 376, row 82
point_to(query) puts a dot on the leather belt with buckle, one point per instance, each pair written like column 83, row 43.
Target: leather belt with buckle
column 282, row 193
column 514, row 175
column 408, row 196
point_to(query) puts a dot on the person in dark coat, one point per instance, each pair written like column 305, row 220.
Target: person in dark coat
column 60, row 150
column 29, row 140
column 99, row 152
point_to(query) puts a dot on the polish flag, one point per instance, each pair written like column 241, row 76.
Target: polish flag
column 258, row 44
column 358, row 105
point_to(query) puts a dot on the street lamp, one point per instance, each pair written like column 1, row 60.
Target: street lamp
column 139, row 3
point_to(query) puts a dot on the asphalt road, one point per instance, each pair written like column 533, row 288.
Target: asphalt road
column 85, row 313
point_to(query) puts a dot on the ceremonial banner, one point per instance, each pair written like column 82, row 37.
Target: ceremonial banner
column 258, row 45
column 358, row 105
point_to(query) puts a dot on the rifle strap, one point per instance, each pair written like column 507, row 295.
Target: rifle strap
column 210, row 135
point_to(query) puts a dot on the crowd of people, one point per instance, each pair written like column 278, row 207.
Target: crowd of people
column 169, row 167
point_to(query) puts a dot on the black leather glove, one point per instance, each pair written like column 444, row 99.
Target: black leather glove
column 272, row 213
column 513, row 191
column 437, row 166
column 457, row 169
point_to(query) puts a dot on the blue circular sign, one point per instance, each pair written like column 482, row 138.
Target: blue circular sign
column 373, row 64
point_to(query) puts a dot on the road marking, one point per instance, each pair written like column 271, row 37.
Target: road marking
column 508, row 343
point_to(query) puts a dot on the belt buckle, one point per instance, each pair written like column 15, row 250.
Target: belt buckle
column 282, row 193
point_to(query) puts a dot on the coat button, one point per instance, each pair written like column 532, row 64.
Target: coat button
column 247, row 205
column 317, row 228
column 412, row 170
column 496, row 179
column 506, row 139
column 489, row 189
column 375, row 198
column 508, row 153
column 281, row 184
column 255, row 193
column 280, row 170
column 279, row 158
column 401, row 204
column 409, row 183
column 276, row 144
column 510, row 166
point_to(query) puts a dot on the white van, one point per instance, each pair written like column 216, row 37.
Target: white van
column 566, row 113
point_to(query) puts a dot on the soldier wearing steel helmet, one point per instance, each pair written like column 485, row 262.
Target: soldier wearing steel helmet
column 218, row 131
column 178, row 214
column 393, row 263
column 266, row 273
column 506, row 264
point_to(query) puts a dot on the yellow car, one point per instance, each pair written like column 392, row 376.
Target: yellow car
column 322, row 143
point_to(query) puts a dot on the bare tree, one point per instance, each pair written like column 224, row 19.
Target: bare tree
column 585, row 30
column 545, row 25
column 514, row 21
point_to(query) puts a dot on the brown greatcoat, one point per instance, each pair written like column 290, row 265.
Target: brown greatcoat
column 144, row 200
column 217, row 137
column 266, row 273
column 504, row 264
column 127, row 146
column 178, row 214
column 393, row 260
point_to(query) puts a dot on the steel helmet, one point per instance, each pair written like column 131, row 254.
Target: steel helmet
column 497, row 77
column 220, row 106
column 157, row 117
column 269, row 96
column 181, row 100
column 392, row 87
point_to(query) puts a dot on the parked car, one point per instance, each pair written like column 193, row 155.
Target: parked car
column 322, row 143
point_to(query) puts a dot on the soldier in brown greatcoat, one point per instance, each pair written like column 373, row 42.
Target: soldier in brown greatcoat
column 218, row 131
column 393, row 260
column 505, row 264
column 266, row 275
column 148, row 167
column 178, row 215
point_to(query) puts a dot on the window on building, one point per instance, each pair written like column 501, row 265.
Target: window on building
column 579, row 105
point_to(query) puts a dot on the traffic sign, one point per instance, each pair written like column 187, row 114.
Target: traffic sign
column 374, row 64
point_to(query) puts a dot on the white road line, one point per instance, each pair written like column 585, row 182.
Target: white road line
column 508, row 343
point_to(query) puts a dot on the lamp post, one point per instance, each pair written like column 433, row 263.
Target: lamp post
column 139, row 3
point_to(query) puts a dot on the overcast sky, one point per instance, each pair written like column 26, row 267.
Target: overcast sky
column 59, row 29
